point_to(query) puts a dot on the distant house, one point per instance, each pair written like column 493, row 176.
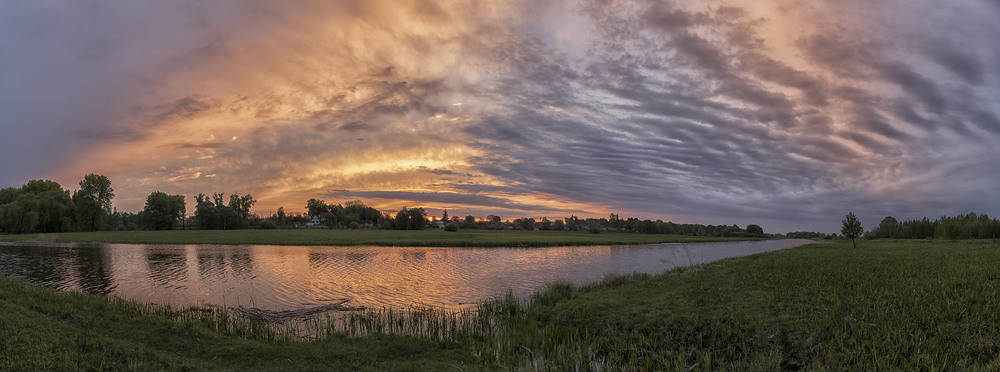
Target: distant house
column 438, row 224
column 314, row 223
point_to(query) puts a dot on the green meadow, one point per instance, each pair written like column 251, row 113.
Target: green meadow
column 413, row 238
column 886, row 305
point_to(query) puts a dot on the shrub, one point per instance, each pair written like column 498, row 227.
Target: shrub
column 594, row 229
column 353, row 226
column 131, row 226
column 268, row 225
column 451, row 227
column 386, row 225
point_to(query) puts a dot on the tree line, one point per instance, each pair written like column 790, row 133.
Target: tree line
column 613, row 223
column 44, row 206
column 963, row 226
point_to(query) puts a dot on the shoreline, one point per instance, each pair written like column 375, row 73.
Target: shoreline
column 383, row 238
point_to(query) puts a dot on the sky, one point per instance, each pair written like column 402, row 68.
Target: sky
column 787, row 114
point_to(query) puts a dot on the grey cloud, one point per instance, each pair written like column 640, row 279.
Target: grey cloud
column 986, row 120
column 964, row 65
column 920, row 87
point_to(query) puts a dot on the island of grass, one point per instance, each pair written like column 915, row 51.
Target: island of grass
column 896, row 305
column 339, row 237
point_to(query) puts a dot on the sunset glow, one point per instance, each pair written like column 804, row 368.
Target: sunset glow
column 779, row 113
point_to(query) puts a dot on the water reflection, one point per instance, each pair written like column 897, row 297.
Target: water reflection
column 168, row 269
column 93, row 269
column 284, row 277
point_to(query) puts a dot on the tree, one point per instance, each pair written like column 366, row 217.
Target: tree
column 162, row 211
column 316, row 207
column 241, row 205
column 887, row 228
column 755, row 229
column 279, row 218
column 444, row 215
column 545, row 224
column 93, row 200
column 852, row 228
column 215, row 214
column 411, row 219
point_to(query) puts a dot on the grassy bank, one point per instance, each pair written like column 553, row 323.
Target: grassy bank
column 882, row 306
column 43, row 330
column 885, row 305
column 415, row 238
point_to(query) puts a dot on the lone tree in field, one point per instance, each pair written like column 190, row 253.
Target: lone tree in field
column 852, row 228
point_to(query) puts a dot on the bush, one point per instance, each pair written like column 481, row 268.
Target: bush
column 353, row 226
column 132, row 226
column 386, row 225
column 594, row 229
column 268, row 225
column 451, row 227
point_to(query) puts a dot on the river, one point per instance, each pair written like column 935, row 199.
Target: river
column 294, row 277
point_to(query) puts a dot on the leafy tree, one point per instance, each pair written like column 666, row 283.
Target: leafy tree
column 38, row 206
column 525, row 223
column 330, row 219
column 93, row 200
column 852, row 228
column 572, row 222
column 755, row 229
column 411, row 219
column 216, row 214
column 557, row 225
column 162, row 211
column 241, row 205
column 279, row 218
column 545, row 224
column 316, row 207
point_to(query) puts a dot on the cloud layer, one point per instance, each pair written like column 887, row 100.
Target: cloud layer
column 781, row 113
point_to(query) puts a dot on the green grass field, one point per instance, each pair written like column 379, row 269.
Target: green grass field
column 416, row 238
column 895, row 305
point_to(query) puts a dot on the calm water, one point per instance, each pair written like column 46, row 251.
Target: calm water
column 292, row 277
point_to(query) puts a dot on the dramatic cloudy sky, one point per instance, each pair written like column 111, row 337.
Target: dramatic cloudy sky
column 783, row 113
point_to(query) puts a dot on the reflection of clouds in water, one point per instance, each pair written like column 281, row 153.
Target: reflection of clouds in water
column 282, row 278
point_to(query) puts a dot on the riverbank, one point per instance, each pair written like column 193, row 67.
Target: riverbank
column 885, row 305
column 45, row 330
column 413, row 238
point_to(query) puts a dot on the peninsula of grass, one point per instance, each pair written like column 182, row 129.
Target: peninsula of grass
column 903, row 305
column 412, row 238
